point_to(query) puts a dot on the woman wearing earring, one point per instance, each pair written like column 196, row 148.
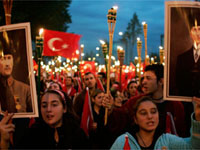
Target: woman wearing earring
column 57, row 127
column 145, row 134
column 132, row 89
column 96, row 135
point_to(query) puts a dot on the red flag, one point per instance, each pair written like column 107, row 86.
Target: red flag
column 88, row 66
column 79, row 84
column 60, row 44
column 126, row 144
column 35, row 65
column 100, row 85
column 87, row 116
column 31, row 122
column 170, row 125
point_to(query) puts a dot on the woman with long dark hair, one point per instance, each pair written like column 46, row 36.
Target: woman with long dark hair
column 145, row 135
column 57, row 127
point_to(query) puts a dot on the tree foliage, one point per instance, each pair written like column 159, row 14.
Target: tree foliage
column 48, row 14
column 133, row 30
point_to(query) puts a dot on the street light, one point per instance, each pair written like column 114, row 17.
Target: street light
column 120, row 33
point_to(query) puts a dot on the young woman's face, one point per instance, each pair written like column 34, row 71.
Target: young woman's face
column 147, row 117
column 52, row 110
column 132, row 89
column 98, row 99
column 119, row 97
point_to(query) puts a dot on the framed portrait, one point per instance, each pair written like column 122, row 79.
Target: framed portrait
column 182, row 39
column 17, row 80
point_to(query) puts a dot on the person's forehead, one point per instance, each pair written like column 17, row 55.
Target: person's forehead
column 149, row 73
column 55, row 84
column 6, row 56
column 49, row 97
column 146, row 104
column 68, row 78
column 89, row 75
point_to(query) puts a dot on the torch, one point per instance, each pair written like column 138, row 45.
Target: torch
column 145, row 41
column 120, row 54
column 39, row 48
column 161, row 55
column 7, row 4
column 104, row 48
column 112, row 14
column 139, row 47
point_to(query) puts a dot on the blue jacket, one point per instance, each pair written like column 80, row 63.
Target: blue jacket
column 165, row 141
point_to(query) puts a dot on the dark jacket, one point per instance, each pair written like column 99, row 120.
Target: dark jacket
column 41, row 136
column 79, row 102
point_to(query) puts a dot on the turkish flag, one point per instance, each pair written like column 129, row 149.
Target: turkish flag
column 60, row 44
column 88, row 66
column 126, row 144
column 87, row 116
column 35, row 65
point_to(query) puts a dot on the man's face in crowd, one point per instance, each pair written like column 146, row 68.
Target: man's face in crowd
column 195, row 34
column 6, row 65
column 68, row 81
column 90, row 81
column 150, row 84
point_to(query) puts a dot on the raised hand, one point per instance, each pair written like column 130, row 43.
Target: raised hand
column 6, row 129
column 196, row 103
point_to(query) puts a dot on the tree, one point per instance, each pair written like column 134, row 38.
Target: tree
column 90, row 54
column 133, row 30
column 49, row 14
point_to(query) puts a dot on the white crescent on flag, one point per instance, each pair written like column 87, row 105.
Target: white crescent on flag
column 88, row 66
column 51, row 42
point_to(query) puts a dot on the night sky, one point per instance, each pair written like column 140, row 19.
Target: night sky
column 89, row 20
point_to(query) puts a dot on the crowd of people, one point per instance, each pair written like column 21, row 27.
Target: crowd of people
column 138, row 116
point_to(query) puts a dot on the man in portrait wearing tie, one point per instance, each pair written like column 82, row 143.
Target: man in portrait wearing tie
column 188, row 67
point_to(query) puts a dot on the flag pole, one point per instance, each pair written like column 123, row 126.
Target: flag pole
column 112, row 14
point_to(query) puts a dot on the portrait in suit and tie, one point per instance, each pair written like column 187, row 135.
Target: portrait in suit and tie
column 188, row 62
column 182, row 55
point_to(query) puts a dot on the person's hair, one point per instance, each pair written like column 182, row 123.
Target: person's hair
column 96, row 92
column 139, row 88
column 70, row 78
column 53, row 82
column 128, row 86
column 87, row 73
column 136, row 106
column 192, row 15
column 114, row 93
column 65, row 100
column 131, row 83
column 158, row 69
column 102, row 74
column 70, row 119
